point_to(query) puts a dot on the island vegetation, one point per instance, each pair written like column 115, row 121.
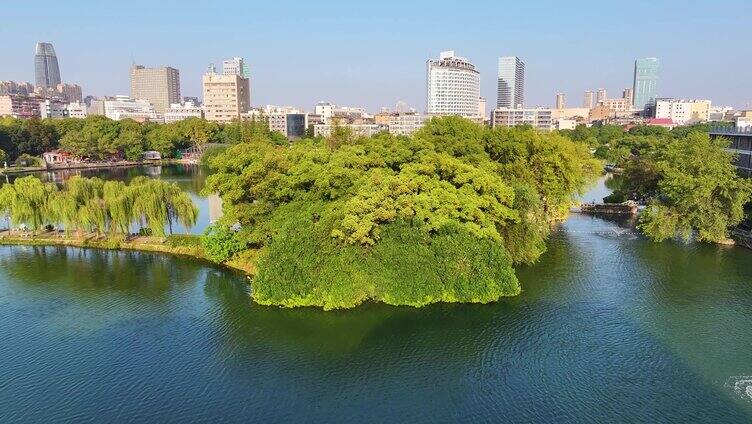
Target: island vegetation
column 442, row 216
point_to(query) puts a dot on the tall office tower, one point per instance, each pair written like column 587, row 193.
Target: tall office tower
column 560, row 101
column 46, row 69
column 646, row 77
column 161, row 86
column 600, row 95
column 511, row 84
column 225, row 96
column 452, row 86
column 236, row 66
column 588, row 100
column 627, row 95
column 482, row 107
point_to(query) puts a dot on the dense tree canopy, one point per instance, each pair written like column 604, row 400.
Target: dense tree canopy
column 696, row 190
column 98, row 137
column 440, row 216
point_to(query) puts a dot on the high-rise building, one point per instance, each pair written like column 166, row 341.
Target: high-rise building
column 511, row 83
column 560, row 101
column 482, row 106
column 600, row 95
column 452, row 86
column 627, row 94
column 646, row 77
column 236, row 66
column 160, row 86
column 226, row 97
column 589, row 100
column 46, row 69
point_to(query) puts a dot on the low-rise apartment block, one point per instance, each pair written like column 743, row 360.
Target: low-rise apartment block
column 538, row 118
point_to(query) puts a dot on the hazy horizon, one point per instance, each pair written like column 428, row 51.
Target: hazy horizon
column 375, row 56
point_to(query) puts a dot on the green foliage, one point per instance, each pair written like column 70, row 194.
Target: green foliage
column 698, row 191
column 3, row 156
column 91, row 204
column 440, row 216
column 222, row 243
column 303, row 266
column 210, row 153
column 100, row 138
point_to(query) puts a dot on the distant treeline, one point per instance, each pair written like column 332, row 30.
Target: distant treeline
column 100, row 138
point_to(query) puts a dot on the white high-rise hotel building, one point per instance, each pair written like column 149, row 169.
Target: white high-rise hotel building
column 453, row 86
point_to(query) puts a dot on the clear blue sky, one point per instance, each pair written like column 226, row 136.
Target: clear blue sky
column 373, row 53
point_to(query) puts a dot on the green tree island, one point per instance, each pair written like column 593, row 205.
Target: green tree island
column 442, row 216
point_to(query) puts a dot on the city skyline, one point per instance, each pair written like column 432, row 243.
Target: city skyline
column 344, row 65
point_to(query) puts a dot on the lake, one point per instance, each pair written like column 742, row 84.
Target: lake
column 609, row 328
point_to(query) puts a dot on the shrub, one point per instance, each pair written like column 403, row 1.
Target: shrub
column 221, row 243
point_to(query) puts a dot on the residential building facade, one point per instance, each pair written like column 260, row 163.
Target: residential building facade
column 358, row 130
column 683, row 112
column 69, row 92
column 406, row 123
column 453, row 86
column 53, row 109
column 122, row 107
column 538, row 118
column 226, row 97
column 18, row 106
column 180, row 111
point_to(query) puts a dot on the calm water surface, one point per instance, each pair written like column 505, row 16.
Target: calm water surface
column 609, row 328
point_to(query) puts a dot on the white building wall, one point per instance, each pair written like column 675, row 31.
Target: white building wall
column 453, row 86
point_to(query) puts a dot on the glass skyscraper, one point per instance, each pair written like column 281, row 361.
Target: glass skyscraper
column 646, row 77
column 511, row 84
column 46, row 70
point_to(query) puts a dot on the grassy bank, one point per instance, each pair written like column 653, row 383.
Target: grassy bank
column 184, row 245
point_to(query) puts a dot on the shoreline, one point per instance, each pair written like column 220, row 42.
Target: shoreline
column 93, row 166
column 135, row 243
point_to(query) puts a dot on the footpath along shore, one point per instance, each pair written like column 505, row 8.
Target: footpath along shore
column 182, row 245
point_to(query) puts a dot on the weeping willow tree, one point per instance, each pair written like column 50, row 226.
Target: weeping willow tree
column 158, row 203
column 27, row 201
column 95, row 205
column 118, row 200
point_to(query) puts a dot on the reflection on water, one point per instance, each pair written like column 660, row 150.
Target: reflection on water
column 609, row 328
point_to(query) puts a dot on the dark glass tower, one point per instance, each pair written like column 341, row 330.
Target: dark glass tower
column 46, row 70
